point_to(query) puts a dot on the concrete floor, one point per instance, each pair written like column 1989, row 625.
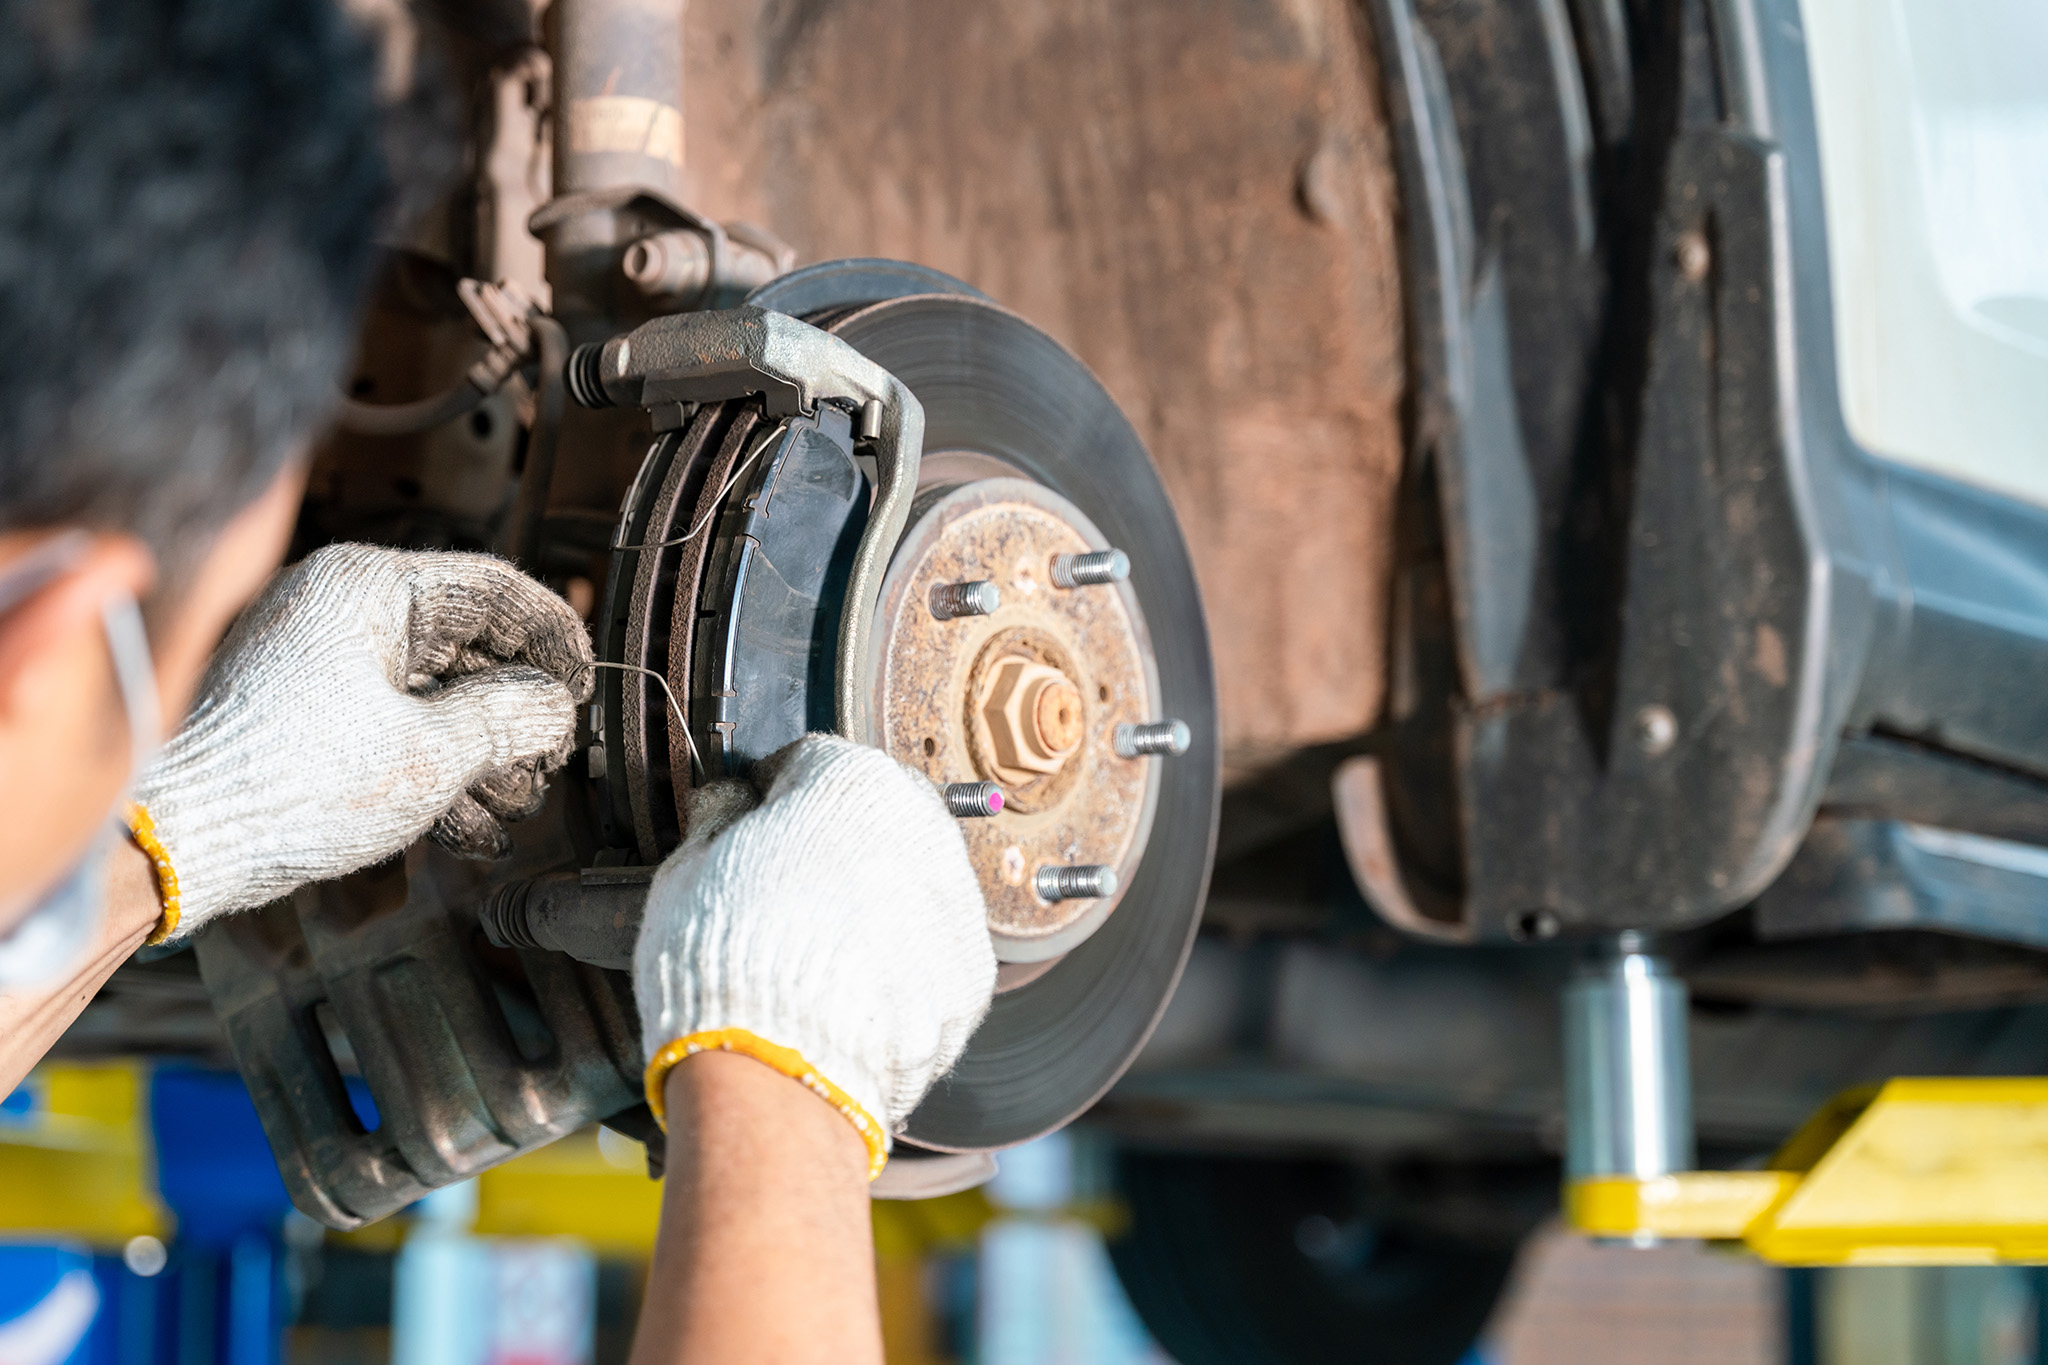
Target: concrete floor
column 1574, row 1303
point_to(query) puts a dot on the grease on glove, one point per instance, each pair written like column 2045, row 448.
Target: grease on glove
column 367, row 697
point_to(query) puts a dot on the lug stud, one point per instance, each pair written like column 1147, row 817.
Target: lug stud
column 1166, row 737
column 978, row 598
column 1075, row 882
column 1084, row 571
column 973, row 800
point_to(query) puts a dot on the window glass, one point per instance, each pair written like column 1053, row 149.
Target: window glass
column 1933, row 122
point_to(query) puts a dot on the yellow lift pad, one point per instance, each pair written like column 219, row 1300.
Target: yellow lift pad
column 77, row 1162
column 1946, row 1171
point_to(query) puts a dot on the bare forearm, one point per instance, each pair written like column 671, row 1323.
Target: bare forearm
column 765, row 1253
column 32, row 1020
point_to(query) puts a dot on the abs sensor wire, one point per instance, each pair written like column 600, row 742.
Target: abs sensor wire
column 717, row 499
column 505, row 315
column 711, row 510
column 407, row 419
column 675, row 707
column 522, row 532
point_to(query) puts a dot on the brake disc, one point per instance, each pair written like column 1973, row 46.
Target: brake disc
column 729, row 584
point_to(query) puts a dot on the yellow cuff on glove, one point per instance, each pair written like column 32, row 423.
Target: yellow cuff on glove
column 142, row 830
column 786, row 1060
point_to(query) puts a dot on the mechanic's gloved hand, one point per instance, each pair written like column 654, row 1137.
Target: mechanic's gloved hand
column 824, row 920
column 368, row 696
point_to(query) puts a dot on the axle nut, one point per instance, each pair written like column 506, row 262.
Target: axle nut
column 1057, row 717
column 1034, row 718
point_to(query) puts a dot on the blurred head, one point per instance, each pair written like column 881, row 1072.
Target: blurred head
column 188, row 195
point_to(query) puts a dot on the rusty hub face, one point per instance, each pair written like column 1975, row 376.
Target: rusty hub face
column 1031, row 714
column 1027, row 696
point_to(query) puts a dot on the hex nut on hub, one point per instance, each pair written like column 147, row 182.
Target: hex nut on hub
column 1034, row 718
column 1028, row 696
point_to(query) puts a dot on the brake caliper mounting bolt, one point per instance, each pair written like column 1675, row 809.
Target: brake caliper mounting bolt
column 1168, row 737
column 1075, row 882
column 1085, row 571
column 973, row 800
column 979, row 598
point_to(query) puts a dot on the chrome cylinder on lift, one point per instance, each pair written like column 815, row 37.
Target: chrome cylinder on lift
column 1628, row 1070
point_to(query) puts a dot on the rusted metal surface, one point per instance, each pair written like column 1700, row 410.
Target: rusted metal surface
column 938, row 680
column 663, row 571
column 1029, row 711
column 1195, row 197
column 744, row 435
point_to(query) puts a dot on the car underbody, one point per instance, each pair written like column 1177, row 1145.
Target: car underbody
column 1506, row 551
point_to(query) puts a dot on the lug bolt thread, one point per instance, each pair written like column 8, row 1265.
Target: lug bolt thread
column 1075, row 882
column 1084, row 571
column 973, row 800
column 1166, row 737
column 978, row 598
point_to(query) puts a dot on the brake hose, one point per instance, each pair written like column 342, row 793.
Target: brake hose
column 406, row 419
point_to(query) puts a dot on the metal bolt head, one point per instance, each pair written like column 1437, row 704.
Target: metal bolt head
column 973, row 800
column 978, row 598
column 1170, row 738
column 668, row 263
column 1034, row 718
column 1656, row 729
column 1083, row 571
column 1695, row 257
column 1056, row 717
column 1075, row 882
column 642, row 263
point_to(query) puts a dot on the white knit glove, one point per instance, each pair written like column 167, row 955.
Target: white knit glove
column 834, row 930
column 368, row 696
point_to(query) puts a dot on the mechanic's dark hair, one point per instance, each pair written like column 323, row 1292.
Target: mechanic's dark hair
column 189, row 191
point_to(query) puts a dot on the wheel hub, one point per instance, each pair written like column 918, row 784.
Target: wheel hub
column 1027, row 695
